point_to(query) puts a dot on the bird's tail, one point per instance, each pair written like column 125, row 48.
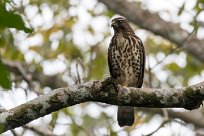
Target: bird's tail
column 125, row 116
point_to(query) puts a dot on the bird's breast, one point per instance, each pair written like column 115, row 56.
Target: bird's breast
column 126, row 62
column 121, row 41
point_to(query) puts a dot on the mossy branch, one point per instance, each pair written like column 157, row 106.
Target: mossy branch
column 105, row 91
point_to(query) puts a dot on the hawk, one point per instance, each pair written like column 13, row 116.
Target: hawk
column 126, row 60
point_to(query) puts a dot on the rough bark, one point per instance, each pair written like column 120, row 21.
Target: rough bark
column 105, row 91
column 152, row 22
column 187, row 117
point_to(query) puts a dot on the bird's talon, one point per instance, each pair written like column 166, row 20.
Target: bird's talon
column 121, row 89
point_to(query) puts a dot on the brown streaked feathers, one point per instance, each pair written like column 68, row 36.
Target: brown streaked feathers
column 126, row 60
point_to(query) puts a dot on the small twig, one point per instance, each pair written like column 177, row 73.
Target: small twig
column 70, row 73
column 14, row 132
column 162, row 125
column 37, row 131
column 174, row 49
column 165, row 113
column 178, row 121
column 150, row 74
column 161, row 61
column 78, row 75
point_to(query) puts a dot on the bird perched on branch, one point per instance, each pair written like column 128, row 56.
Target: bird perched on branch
column 126, row 60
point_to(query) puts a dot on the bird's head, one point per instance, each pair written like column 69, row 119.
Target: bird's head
column 120, row 24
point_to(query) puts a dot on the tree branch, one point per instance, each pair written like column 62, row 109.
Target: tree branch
column 38, row 131
column 21, row 69
column 101, row 91
column 194, row 116
column 152, row 22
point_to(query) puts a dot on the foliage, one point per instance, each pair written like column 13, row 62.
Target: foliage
column 4, row 74
column 198, row 9
column 11, row 20
column 68, row 46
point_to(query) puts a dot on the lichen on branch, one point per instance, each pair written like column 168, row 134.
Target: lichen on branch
column 105, row 91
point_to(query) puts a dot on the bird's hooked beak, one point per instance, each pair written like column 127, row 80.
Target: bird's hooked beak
column 114, row 24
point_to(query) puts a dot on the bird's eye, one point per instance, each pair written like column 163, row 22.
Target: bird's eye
column 120, row 21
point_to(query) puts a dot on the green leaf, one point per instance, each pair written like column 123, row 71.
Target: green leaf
column 54, row 119
column 181, row 9
column 2, row 128
column 4, row 77
column 11, row 20
column 173, row 67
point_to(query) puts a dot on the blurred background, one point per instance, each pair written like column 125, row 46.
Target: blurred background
column 47, row 44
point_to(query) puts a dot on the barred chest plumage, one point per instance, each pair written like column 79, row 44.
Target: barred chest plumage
column 125, row 54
